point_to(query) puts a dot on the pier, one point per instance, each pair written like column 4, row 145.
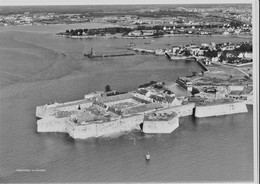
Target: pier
column 92, row 55
column 109, row 55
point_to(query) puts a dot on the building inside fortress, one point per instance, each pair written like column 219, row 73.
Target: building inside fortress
column 106, row 109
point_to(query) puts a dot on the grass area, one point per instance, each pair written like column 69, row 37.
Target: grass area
column 247, row 69
column 221, row 75
column 204, row 101
column 124, row 105
column 215, row 102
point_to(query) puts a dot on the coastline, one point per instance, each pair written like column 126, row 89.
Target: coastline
column 165, row 35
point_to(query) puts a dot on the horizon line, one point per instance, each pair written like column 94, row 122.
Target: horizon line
column 229, row 3
column 162, row 3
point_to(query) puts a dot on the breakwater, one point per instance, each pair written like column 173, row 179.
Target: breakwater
column 108, row 55
column 202, row 65
column 143, row 51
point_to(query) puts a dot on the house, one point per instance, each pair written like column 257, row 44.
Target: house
column 160, row 52
column 226, row 33
column 248, row 55
column 166, row 101
column 205, row 45
column 228, row 47
column 148, row 32
column 194, row 50
column 175, row 49
column 172, row 101
column 214, row 59
column 135, row 33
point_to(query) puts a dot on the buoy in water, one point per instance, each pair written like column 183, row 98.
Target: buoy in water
column 147, row 156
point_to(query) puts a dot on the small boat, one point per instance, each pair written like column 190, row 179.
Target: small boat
column 131, row 44
column 147, row 156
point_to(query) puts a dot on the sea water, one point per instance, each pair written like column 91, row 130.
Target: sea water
column 37, row 68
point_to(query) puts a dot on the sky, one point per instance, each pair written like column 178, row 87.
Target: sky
column 99, row 2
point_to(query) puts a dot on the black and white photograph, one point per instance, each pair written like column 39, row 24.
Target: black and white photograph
column 129, row 91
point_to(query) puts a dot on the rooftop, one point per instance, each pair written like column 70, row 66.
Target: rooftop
column 93, row 115
column 142, row 108
column 114, row 98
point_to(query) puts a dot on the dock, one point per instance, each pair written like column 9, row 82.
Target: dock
column 92, row 55
column 108, row 55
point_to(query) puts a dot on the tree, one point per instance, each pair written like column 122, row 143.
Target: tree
column 194, row 91
column 211, row 53
column 187, row 53
column 246, row 47
column 236, row 24
column 107, row 88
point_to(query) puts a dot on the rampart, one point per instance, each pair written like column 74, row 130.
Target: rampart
column 220, row 109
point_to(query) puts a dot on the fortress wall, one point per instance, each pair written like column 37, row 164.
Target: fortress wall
column 86, row 131
column 181, row 110
column 220, row 109
column 161, row 126
column 143, row 97
column 51, row 124
column 119, row 125
column 100, row 129
column 42, row 111
column 70, row 127
column 74, row 107
column 80, row 131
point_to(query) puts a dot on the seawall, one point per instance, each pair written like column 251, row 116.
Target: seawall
column 220, row 109
column 181, row 110
column 101, row 129
column 51, row 124
column 161, row 126
column 202, row 65
column 51, row 110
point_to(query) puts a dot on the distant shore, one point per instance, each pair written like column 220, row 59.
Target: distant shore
column 117, row 36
